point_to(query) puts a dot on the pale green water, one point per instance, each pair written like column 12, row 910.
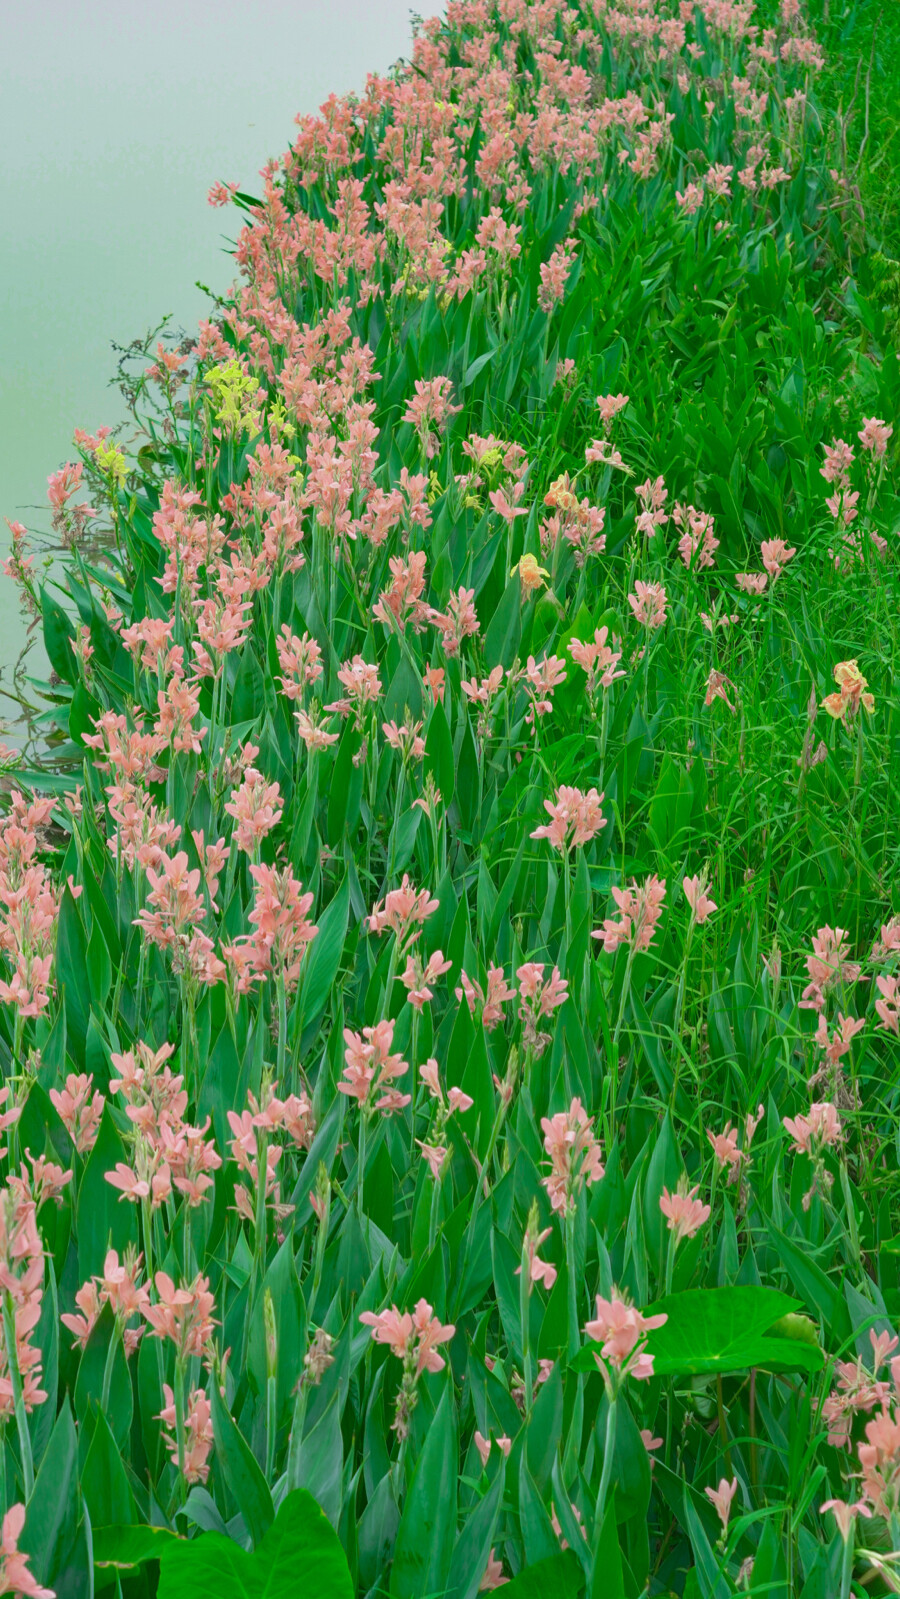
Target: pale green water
column 115, row 120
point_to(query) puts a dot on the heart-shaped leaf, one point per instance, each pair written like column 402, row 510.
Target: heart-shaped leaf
column 299, row 1553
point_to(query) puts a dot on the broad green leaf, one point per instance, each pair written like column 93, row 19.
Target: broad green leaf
column 558, row 1577
column 300, row 1552
column 427, row 1531
column 240, row 1470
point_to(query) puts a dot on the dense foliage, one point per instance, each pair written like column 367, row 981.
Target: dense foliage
column 449, row 987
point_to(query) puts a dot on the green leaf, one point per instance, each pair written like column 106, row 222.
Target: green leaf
column 323, row 958
column 50, row 1536
column 557, row 1578
column 608, row 1581
column 58, row 634
column 439, row 753
column 300, row 1553
column 103, row 1481
column 504, row 631
column 473, row 1546
column 820, row 1294
column 241, row 1472
column 104, row 1219
column 427, row 1531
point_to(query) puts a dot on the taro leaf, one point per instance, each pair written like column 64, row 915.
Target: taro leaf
column 241, row 1472
column 427, row 1531
column 722, row 1330
column 557, row 1578
column 299, row 1553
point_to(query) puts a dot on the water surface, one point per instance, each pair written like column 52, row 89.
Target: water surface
column 116, row 118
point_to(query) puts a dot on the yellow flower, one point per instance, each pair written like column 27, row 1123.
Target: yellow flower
column 237, row 398
column 112, row 462
column 851, row 685
column 531, row 576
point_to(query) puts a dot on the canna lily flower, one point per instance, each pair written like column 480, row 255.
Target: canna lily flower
column 844, row 705
column 649, row 602
column 684, row 1214
column 845, row 1514
column 721, row 1498
column 622, row 1330
column 695, row 893
column 575, row 818
column 532, row 576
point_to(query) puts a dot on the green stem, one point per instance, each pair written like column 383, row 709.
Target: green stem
column 608, row 1452
column 572, row 1285
column 271, row 1428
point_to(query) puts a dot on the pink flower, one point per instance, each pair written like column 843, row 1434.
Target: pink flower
column 198, row 1430
column 403, row 912
column 775, row 557
column 695, row 893
column 828, row 967
column 492, row 1001
column 820, row 1129
column 15, row 1578
column 725, row 1145
column 721, row 1497
column 256, row 807
column 183, row 1315
column 597, row 659
column 751, row 582
column 874, row 437
column 685, row 1214
column 434, row 1156
column 539, row 1271
column 418, row 978
column 493, row 1575
column 844, row 1514
column 717, row 686
column 622, row 1331
column 838, row 1045
column 417, row 1336
column 371, row 1068
column 538, row 998
column 648, row 602
column 641, row 908
column 574, row 1155
column 888, row 1006
column 609, row 405
column 838, row 461
column 575, row 818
